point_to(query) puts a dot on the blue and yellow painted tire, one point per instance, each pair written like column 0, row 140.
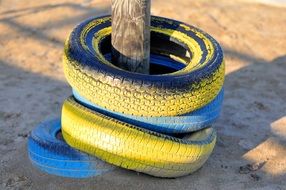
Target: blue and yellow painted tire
column 186, row 123
column 54, row 156
column 134, row 148
column 196, row 120
column 195, row 85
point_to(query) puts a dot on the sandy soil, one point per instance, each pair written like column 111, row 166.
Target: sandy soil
column 251, row 148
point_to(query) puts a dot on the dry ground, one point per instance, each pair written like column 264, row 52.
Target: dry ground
column 252, row 127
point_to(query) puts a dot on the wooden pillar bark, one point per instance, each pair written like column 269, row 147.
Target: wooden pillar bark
column 131, row 34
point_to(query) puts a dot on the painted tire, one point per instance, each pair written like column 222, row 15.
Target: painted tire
column 100, row 82
column 190, row 122
column 193, row 121
column 54, row 156
column 134, row 148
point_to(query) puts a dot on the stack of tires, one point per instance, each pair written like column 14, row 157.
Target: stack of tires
column 158, row 124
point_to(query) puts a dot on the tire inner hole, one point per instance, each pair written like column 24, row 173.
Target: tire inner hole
column 162, row 47
column 59, row 135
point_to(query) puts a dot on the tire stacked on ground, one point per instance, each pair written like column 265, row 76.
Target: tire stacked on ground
column 158, row 124
column 50, row 153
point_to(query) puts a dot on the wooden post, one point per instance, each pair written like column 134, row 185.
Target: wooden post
column 131, row 34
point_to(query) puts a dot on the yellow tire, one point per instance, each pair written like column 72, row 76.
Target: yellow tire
column 134, row 148
column 102, row 83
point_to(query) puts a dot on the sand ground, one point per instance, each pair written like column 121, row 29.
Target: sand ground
column 252, row 126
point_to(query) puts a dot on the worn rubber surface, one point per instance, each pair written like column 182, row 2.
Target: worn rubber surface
column 134, row 148
column 186, row 123
column 193, row 121
column 100, row 82
column 54, row 156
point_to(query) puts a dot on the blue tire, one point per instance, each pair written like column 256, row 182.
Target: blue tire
column 52, row 155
